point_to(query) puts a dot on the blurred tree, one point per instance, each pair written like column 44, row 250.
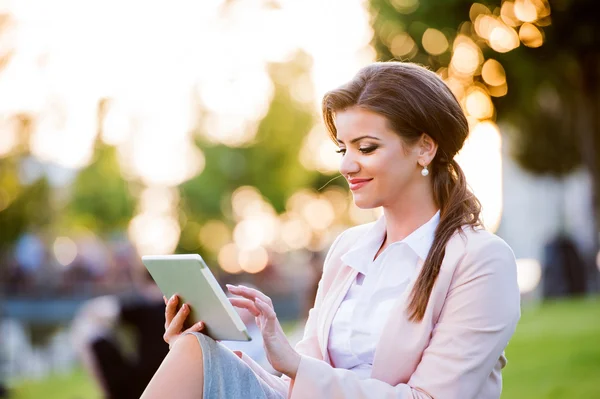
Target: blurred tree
column 100, row 198
column 546, row 54
column 548, row 117
column 24, row 206
column 270, row 162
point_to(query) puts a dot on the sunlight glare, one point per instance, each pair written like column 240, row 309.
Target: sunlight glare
column 529, row 274
column 481, row 160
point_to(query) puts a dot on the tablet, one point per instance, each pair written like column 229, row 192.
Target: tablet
column 190, row 278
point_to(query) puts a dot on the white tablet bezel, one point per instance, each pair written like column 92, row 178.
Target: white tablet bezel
column 189, row 277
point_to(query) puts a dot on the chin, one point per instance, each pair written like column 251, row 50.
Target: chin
column 366, row 203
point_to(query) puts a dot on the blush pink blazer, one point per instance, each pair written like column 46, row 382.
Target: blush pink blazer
column 455, row 352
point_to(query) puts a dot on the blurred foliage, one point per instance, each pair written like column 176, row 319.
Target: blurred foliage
column 553, row 97
column 23, row 207
column 100, row 198
column 270, row 162
column 545, row 84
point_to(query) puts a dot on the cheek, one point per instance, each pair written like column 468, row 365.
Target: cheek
column 395, row 172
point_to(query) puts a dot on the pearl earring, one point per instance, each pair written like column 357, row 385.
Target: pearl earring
column 425, row 172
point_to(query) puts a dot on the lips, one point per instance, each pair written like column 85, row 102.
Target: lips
column 356, row 184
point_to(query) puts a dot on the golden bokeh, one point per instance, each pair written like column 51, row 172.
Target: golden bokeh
column 503, row 38
column 434, row 41
column 213, row 235
column 530, row 35
column 228, row 259
column 403, row 46
column 507, row 14
column 253, row 260
column 498, row 91
column 525, row 10
column 478, row 9
column 493, row 73
column 478, row 103
column 467, row 56
column 405, row 6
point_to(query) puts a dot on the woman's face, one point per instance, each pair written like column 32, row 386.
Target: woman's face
column 380, row 168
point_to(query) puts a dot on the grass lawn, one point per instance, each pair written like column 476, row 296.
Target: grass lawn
column 554, row 354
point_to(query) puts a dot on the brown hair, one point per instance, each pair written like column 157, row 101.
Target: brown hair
column 415, row 101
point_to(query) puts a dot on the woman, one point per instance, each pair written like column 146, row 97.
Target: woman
column 419, row 304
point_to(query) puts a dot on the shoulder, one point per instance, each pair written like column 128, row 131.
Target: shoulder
column 482, row 253
column 476, row 240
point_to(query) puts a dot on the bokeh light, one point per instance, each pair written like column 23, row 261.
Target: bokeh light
column 478, row 103
column 503, row 38
column 403, row 46
column 466, row 57
column 65, row 250
column 493, row 73
column 405, row 6
column 525, row 10
column 154, row 234
column 529, row 274
column 530, row 35
column 214, row 234
column 253, row 260
column 434, row 41
column 229, row 259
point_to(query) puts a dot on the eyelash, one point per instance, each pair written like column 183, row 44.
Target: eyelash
column 365, row 150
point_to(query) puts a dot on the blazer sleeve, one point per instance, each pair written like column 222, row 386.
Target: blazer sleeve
column 309, row 345
column 478, row 318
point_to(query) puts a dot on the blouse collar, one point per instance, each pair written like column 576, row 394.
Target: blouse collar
column 361, row 255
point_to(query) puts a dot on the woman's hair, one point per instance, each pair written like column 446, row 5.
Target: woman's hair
column 414, row 101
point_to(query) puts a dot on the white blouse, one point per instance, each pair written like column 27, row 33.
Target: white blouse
column 362, row 315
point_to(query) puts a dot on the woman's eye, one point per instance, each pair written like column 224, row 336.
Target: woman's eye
column 341, row 151
column 367, row 150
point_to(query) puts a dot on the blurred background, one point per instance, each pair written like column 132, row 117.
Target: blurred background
column 153, row 127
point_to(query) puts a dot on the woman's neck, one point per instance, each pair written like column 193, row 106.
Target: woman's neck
column 407, row 216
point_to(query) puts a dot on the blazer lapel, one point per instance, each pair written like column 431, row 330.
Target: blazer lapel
column 346, row 275
column 397, row 333
column 402, row 342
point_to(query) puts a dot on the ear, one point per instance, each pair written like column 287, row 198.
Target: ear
column 427, row 148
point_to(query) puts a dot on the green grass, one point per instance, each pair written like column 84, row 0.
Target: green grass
column 555, row 354
column 75, row 385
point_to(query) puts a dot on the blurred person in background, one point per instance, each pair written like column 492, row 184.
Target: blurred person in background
column 419, row 304
column 99, row 329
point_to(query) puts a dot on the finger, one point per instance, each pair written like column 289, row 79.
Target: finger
column 165, row 299
column 171, row 310
column 249, row 293
column 245, row 304
column 265, row 309
column 196, row 327
column 176, row 325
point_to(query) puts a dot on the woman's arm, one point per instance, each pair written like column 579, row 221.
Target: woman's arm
column 479, row 316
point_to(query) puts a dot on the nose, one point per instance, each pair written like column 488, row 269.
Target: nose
column 349, row 164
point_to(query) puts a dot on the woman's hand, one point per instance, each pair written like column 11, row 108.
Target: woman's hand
column 174, row 320
column 279, row 352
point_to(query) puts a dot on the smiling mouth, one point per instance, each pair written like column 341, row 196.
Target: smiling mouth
column 358, row 184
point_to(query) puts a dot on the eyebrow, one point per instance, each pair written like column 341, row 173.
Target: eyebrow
column 358, row 139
